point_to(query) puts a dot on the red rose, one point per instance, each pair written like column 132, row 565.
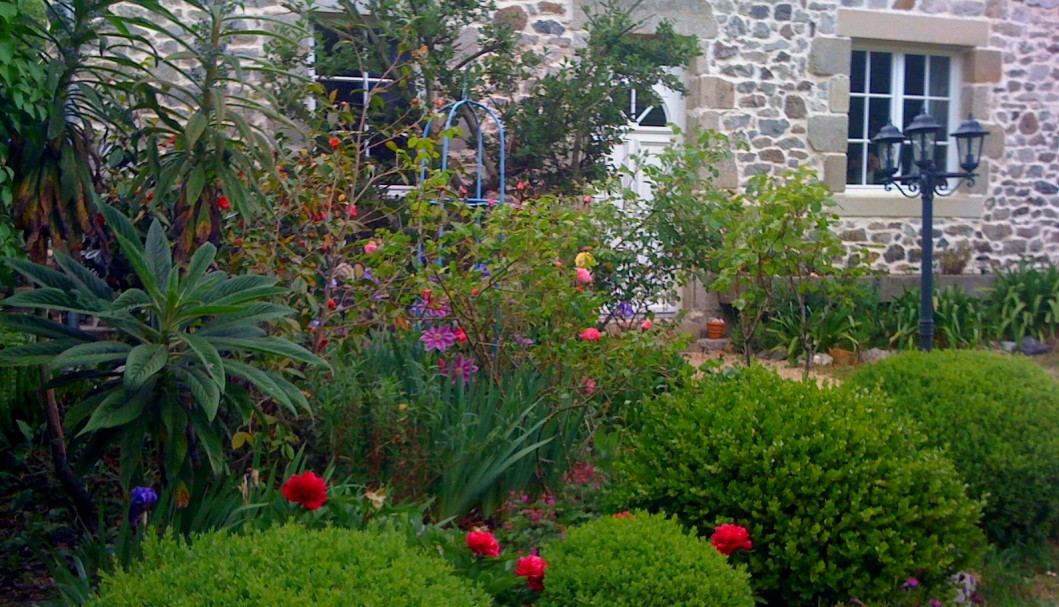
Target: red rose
column 306, row 489
column 223, row 203
column 461, row 335
column 335, row 143
column 729, row 538
column 483, row 543
column 532, row 568
column 332, row 304
column 625, row 514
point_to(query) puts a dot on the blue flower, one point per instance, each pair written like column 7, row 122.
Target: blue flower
column 142, row 499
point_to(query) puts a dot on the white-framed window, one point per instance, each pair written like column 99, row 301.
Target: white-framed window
column 361, row 69
column 888, row 84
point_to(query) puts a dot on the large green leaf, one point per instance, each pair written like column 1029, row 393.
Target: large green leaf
column 46, row 298
column 266, row 382
column 93, row 285
column 42, row 327
column 132, row 247
column 39, row 353
column 40, row 275
column 133, row 298
column 268, row 345
column 145, row 360
column 198, row 266
column 92, row 354
column 120, row 407
column 207, row 355
column 159, row 256
column 205, row 392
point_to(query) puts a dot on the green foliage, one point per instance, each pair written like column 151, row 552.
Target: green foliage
column 960, row 320
column 18, row 393
column 166, row 366
column 641, row 561
column 998, row 419
column 832, row 321
column 1025, row 301
column 563, row 131
column 288, row 565
column 841, row 497
column 390, row 414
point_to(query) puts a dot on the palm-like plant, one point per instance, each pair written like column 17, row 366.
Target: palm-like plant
column 164, row 373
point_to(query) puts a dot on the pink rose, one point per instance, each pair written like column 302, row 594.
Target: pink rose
column 646, row 326
column 590, row 334
column 371, row 247
column 584, row 276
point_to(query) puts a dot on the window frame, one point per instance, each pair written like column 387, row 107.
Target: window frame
column 899, row 51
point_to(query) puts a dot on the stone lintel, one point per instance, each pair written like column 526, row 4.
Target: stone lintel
column 910, row 27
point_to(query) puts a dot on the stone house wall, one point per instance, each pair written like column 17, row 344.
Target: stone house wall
column 775, row 73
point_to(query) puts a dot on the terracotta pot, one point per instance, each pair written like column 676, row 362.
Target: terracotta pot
column 715, row 329
column 843, row 357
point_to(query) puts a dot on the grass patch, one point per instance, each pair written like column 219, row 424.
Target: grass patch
column 1021, row 576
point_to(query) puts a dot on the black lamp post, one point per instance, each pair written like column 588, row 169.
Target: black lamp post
column 926, row 181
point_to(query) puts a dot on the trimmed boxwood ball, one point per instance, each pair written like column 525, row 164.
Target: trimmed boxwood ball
column 285, row 567
column 641, row 560
column 841, row 496
column 998, row 418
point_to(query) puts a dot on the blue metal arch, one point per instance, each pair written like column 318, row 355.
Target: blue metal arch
column 471, row 108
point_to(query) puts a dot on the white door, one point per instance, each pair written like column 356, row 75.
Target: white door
column 650, row 133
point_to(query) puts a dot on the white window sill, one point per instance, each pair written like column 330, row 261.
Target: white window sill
column 876, row 202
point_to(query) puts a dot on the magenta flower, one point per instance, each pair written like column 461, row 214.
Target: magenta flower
column 462, row 368
column 438, row 338
column 910, row 584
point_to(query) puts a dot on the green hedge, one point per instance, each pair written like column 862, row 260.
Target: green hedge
column 998, row 417
column 640, row 561
column 840, row 495
column 288, row 567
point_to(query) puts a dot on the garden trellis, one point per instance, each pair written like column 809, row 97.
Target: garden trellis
column 470, row 111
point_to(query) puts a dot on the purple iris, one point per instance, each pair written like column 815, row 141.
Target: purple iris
column 483, row 270
column 142, row 499
column 625, row 310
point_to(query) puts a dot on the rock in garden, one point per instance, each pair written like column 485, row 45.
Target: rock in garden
column 822, row 360
column 1032, row 347
column 875, row 355
column 1008, row 346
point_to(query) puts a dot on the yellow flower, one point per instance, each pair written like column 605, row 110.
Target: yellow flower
column 584, row 260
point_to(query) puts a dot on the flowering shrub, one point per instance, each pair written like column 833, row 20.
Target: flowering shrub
column 998, row 419
column 841, row 496
column 642, row 560
column 483, row 543
column 288, row 565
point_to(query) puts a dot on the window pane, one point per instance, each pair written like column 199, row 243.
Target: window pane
column 855, row 164
column 857, row 72
column 939, row 111
column 878, row 115
column 939, row 76
column 856, row 118
column 880, row 72
column 915, row 74
column 656, row 117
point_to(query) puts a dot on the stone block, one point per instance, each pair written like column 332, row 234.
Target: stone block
column 512, row 16
column 828, row 133
column 838, row 94
column 835, row 172
column 983, row 66
column 706, row 120
column 830, row 56
column 974, row 99
column 728, row 174
column 711, row 92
